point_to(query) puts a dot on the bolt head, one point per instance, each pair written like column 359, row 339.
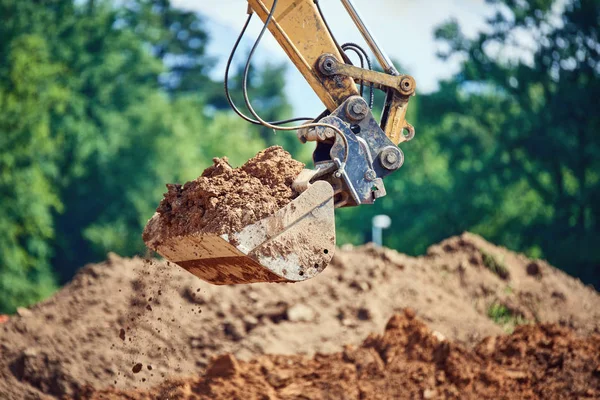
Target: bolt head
column 391, row 158
column 329, row 133
column 370, row 175
column 407, row 85
column 359, row 108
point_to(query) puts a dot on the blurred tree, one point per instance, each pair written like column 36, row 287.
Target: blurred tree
column 509, row 147
column 177, row 38
column 98, row 117
column 29, row 94
column 266, row 91
column 139, row 137
column 546, row 150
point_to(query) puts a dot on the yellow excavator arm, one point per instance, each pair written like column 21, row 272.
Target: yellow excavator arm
column 353, row 154
column 301, row 31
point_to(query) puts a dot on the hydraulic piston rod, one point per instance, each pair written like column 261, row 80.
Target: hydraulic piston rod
column 382, row 57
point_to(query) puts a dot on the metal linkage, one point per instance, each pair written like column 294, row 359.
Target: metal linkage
column 403, row 84
column 371, row 154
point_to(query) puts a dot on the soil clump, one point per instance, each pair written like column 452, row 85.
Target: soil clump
column 223, row 199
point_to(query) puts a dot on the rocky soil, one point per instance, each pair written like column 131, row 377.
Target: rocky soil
column 225, row 199
column 408, row 361
column 131, row 325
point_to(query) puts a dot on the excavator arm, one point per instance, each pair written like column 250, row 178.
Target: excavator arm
column 353, row 154
column 303, row 34
column 369, row 149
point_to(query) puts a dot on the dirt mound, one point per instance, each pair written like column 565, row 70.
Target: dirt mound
column 133, row 323
column 225, row 199
column 408, row 361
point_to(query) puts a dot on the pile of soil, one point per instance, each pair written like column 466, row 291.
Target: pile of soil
column 133, row 324
column 408, row 361
column 224, row 199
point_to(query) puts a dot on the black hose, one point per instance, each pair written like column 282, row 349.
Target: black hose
column 226, row 84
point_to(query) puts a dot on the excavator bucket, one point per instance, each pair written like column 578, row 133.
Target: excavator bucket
column 294, row 244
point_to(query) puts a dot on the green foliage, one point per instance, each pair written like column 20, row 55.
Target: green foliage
column 265, row 90
column 494, row 265
column 509, row 147
column 499, row 313
column 503, row 316
column 95, row 118
column 177, row 38
column 545, row 133
column 167, row 142
column 29, row 94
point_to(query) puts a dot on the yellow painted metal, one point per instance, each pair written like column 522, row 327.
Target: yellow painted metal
column 302, row 33
column 396, row 124
column 403, row 84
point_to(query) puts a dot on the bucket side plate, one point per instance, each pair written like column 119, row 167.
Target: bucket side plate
column 294, row 244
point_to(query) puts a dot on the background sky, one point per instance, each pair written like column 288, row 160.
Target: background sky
column 403, row 27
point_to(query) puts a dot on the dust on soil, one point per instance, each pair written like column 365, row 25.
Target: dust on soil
column 408, row 361
column 225, row 199
column 74, row 340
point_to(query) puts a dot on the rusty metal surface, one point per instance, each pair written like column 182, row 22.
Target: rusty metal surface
column 294, row 244
column 329, row 65
column 394, row 122
column 229, row 270
column 302, row 33
column 400, row 88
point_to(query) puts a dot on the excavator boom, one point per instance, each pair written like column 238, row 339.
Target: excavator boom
column 353, row 154
column 302, row 33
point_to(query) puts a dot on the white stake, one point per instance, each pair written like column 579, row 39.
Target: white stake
column 380, row 222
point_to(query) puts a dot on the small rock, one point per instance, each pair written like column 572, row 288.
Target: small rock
column 348, row 323
column 534, row 269
column 250, row 322
column 364, row 314
column 30, row 352
column 439, row 336
column 300, row 313
column 235, row 330
column 279, row 378
column 24, row 312
column 136, row 368
column 487, row 346
column 360, row 285
column 518, row 375
column 440, row 376
column 429, row 394
column 409, row 313
column 559, row 295
column 223, row 367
